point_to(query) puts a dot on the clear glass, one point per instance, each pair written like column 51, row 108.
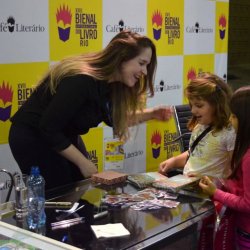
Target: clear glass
column 21, row 195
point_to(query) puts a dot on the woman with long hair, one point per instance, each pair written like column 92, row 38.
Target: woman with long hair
column 77, row 94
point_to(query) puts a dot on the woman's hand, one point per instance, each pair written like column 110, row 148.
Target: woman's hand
column 88, row 169
column 162, row 113
column 207, row 186
column 86, row 166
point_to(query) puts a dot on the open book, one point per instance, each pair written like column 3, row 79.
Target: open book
column 157, row 180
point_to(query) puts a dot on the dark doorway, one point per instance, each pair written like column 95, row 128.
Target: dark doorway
column 239, row 43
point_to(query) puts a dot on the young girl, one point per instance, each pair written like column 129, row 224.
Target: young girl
column 238, row 196
column 208, row 97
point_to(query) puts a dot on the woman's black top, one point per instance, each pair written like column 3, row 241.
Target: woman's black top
column 80, row 103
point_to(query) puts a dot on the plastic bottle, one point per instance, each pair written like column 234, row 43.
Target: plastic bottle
column 36, row 217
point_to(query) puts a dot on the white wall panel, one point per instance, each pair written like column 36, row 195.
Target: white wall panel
column 24, row 33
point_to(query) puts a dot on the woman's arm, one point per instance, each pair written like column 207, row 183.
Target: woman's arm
column 72, row 154
column 160, row 113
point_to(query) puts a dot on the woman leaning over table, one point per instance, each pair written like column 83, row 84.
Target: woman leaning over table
column 77, row 94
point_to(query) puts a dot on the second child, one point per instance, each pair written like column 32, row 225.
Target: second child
column 238, row 196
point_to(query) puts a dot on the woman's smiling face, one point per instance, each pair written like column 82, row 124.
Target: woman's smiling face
column 132, row 70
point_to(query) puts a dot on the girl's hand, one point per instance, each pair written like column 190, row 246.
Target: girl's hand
column 207, row 186
column 166, row 165
column 198, row 175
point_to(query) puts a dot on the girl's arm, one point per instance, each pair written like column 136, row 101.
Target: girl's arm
column 239, row 203
column 173, row 162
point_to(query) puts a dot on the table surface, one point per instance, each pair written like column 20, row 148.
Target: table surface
column 145, row 227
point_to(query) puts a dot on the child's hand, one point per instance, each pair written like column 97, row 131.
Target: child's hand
column 164, row 167
column 167, row 165
column 198, row 175
column 207, row 186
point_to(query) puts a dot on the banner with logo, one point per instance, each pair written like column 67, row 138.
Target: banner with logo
column 24, row 31
column 75, row 27
column 135, row 150
column 16, row 86
column 221, row 24
column 191, row 36
column 158, row 144
column 168, row 82
column 118, row 16
column 199, row 28
column 95, row 147
column 165, row 26
column 220, row 65
column 194, row 65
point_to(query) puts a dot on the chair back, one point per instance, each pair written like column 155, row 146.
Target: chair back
column 182, row 115
column 10, row 187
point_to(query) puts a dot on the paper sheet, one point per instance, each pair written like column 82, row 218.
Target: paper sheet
column 110, row 230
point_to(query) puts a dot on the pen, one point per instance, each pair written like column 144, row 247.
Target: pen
column 67, row 214
column 100, row 215
column 65, row 238
column 67, row 223
column 58, row 204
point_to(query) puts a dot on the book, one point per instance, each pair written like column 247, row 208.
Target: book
column 175, row 183
column 142, row 180
column 110, row 230
column 157, row 180
column 109, row 177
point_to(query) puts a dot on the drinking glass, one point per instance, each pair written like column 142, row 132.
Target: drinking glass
column 21, row 195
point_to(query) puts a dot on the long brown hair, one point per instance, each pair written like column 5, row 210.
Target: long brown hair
column 240, row 107
column 216, row 92
column 102, row 65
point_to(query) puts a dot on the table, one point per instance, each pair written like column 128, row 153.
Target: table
column 163, row 228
